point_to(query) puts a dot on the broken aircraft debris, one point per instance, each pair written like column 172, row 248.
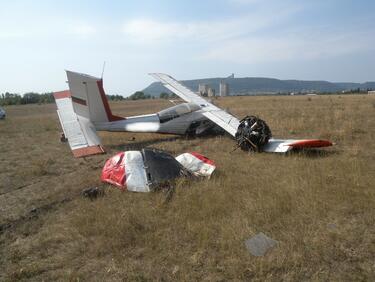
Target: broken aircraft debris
column 197, row 164
column 260, row 244
column 93, row 193
column 148, row 169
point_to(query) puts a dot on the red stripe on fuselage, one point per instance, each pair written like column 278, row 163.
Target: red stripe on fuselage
column 110, row 116
column 79, row 101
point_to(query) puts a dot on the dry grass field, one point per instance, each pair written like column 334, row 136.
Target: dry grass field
column 319, row 205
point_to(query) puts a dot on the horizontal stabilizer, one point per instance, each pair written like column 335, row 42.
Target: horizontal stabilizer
column 79, row 131
column 310, row 143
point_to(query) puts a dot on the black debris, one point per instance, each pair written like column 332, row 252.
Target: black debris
column 162, row 168
column 93, row 193
column 252, row 134
column 63, row 139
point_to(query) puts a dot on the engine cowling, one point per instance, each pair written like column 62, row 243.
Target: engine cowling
column 252, row 134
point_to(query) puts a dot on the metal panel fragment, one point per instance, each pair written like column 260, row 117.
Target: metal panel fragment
column 260, row 244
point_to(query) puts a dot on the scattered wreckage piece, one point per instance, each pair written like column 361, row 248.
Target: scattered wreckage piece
column 145, row 170
column 197, row 164
column 63, row 138
column 93, row 193
column 260, row 244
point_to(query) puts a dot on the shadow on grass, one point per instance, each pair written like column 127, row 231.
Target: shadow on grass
column 134, row 145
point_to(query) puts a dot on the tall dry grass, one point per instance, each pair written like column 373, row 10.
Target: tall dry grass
column 320, row 206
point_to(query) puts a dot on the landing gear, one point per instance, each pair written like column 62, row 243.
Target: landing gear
column 63, row 139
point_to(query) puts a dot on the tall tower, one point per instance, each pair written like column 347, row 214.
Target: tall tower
column 203, row 89
column 224, row 89
column 211, row 92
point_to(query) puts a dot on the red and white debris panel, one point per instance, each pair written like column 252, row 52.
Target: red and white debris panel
column 197, row 164
column 140, row 171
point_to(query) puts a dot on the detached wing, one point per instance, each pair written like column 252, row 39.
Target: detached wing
column 228, row 122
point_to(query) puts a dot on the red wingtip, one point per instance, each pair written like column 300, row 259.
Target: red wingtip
column 312, row 143
column 87, row 151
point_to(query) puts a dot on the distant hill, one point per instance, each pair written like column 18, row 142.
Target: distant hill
column 258, row 85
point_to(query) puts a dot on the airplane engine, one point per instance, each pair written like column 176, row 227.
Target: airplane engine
column 252, row 134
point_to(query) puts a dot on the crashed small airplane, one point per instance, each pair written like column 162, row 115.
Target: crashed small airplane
column 84, row 109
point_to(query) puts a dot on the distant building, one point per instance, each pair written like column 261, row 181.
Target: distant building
column 211, row 92
column 371, row 92
column 224, row 89
column 203, row 89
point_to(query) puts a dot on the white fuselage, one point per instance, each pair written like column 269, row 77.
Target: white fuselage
column 181, row 119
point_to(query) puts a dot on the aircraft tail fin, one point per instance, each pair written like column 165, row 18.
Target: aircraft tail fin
column 78, row 129
column 88, row 98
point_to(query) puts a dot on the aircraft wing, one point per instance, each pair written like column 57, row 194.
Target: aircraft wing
column 225, row 120
column 285, row 145
column 230, row 123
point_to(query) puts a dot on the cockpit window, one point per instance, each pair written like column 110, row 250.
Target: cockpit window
column 176, row 111
column 167, row 116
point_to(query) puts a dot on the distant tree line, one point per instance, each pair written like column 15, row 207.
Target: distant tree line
column 28, row 98
column 139, row 95
column 37, row 98
column 165, row 95
column 115, row 97
column 45, row 98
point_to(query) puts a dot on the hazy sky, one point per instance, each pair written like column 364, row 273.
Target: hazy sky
column 313, row 40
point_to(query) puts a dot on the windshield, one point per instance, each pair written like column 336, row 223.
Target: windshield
column 177, row 111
